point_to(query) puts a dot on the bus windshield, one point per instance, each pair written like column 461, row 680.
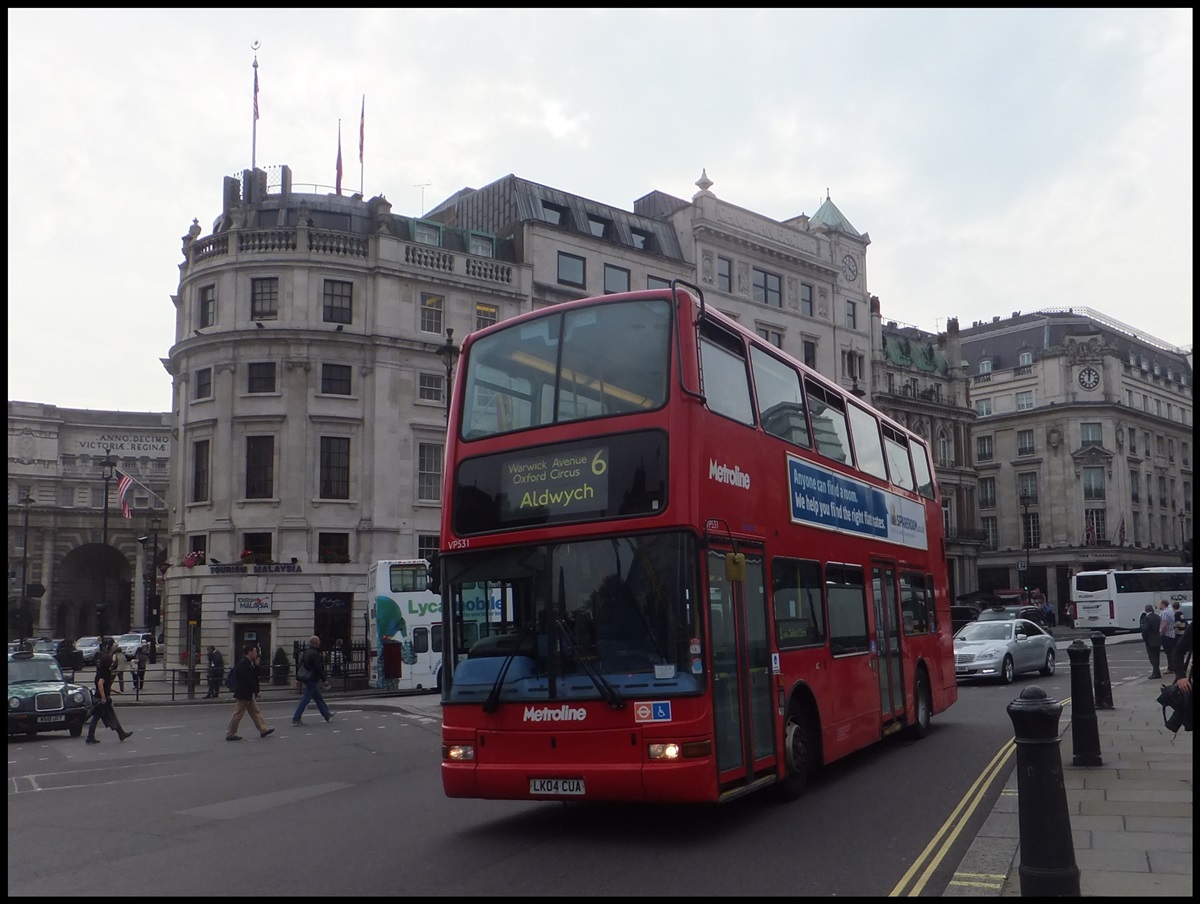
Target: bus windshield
column 584, row 620
column 567, row 368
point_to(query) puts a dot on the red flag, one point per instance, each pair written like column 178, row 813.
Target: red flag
column 256, row 90
column 362, row 124
column 1091, row 533
column 339, row 160
column 124, row 485
column 1121, row 531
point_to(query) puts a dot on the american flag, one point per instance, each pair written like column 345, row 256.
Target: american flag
column 124, row 485
column 256, row 90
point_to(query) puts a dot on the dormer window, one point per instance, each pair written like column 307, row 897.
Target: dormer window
column 985, row 366
column 1025, row 359
column 598, row 226
column 482, row 245
column 641, row 239
column 427, row 234
column 554, row 214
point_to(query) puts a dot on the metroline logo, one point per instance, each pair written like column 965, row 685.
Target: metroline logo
column 734, row 476
column 563, row 713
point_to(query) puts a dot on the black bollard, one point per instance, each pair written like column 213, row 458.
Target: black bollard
column 1104, row 697
column 1047, row 851
column 1085, row 731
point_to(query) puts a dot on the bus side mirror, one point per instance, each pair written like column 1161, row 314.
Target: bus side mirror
column 735, row 566
column 433, row 574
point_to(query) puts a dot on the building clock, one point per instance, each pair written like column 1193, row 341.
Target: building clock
column 1089, row 378
column 850, row 268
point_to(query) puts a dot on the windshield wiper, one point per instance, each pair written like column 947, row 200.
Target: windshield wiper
column 608, row 693
column 493, row 698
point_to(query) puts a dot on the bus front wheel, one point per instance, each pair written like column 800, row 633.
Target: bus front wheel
column 799, row 754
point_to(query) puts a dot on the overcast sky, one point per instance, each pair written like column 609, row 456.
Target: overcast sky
column 1000, row 160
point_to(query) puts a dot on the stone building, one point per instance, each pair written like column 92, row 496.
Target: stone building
column 1083, row 447
column 67, row 536
column 917, row 378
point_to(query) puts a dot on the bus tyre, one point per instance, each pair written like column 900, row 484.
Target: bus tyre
column 922, row 707
column 1048, row 668
column 1006, row 671
column 799, row 756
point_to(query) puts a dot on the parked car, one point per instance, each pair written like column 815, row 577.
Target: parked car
column 129, row 643
column 1001, row 649
column 41, row 699
column 62, row 649
column 1000, row 613
column 89, row 647
column 962, row 615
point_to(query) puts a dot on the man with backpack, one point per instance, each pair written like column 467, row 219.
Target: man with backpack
column 311, row 673
column 244, row 680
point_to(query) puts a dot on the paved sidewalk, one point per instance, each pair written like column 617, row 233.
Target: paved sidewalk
column 1131, row 817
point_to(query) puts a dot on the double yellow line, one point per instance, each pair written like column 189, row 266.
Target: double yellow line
column 943, row 841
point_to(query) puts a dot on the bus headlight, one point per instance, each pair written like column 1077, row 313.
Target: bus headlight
column 458, row 753
column 668, row 751
column 673, row 750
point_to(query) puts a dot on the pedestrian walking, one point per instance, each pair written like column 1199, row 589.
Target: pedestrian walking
column 311, row 675
column 245, row 693
column 141, row 660
column 1166, row 627
column 1149, row 626
column 118, row 664
column 102, row 708
column 337, row 659
column 216, row 673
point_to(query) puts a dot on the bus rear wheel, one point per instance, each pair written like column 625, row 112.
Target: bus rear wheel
column 799, row 752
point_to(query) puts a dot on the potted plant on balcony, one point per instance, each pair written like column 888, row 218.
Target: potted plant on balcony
column 280, row 667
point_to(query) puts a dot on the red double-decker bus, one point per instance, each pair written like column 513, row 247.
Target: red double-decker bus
column 676, row 564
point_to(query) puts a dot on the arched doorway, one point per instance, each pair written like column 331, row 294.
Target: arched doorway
column 92, row 592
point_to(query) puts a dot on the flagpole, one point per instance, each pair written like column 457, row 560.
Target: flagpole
column 254, row 124
column 142, row 485
column 339, row 159
column 362, row 124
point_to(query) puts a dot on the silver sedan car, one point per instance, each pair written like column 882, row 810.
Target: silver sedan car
column 1002, row 649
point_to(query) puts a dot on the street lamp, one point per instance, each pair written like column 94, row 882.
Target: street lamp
column 150, row 616
column 449, row 355
column 26, row 627
column 1181, row 525
column 107, row 466
column 1025, row 501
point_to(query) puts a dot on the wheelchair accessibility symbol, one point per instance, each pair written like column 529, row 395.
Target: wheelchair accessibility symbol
column 652, row 711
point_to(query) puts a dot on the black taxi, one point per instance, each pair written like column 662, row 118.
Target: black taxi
column 41, row 699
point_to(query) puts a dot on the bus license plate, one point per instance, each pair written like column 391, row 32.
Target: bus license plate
column 568, row 786
column 52, row 718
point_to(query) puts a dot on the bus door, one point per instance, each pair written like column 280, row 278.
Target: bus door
column 741, row 668
column 887, row 640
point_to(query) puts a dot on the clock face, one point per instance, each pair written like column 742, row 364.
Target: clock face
column 1089, row 378
column 850, row 267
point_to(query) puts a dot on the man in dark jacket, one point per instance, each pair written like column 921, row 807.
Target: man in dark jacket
column 216, row 672
column 312, row 667
column 102, row 708
column 1149, row 625
column 245, row 694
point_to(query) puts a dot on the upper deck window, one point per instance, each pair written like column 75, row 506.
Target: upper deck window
column 560, row 368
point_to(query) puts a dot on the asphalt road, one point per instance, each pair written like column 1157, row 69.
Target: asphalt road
column 355, row 807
